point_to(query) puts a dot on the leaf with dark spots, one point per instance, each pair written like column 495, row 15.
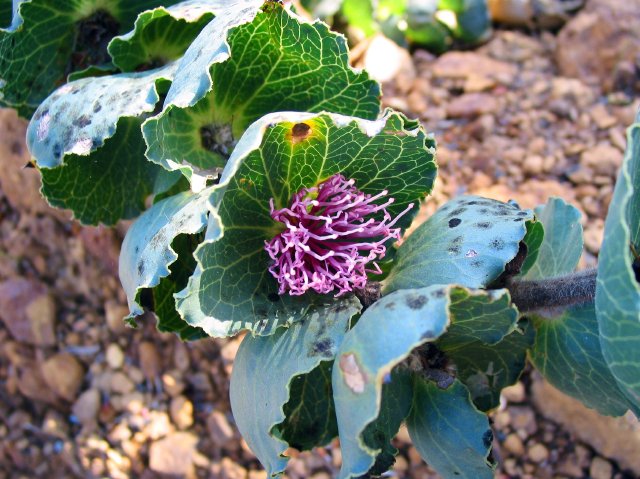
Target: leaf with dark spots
column 454, row 222
column 483, row 225
column 322, row 347
column 299, row 132
column 416, row 302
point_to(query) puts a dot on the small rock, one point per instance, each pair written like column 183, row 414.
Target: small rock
column 172, row 383
column 219, row 428
column 28, row 311
column 87, row 406
column 55, row 424
column 471, row 105
column 181, row 410
column 149, row 360
column 523, row 419
column 593, row 236
column 533, row 165
column 384, row 60
column 257, row 474
column 63, row 373
column 115, row 356
column 601, row 117
column 115, row 314
column 603, row 158
column 601, row 469
column 31, row 384
column 159, row 425
column 120, row 383
column 471, row 64
column 174, row 455
column 538, row 453
column 514, row 444
column 231, row 470
column 515, row 393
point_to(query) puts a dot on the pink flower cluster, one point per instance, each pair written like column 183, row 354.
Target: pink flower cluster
column 330, row 237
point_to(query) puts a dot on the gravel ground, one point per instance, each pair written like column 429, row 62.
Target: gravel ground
column 83, row 396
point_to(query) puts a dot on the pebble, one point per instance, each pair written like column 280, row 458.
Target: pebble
column 181, row 410
column 120, row 383
column 173, row 455
column 28, row 311
column 172, row 383
column 221, row 431
column 231, row 470
column 471, row 105
column 149, row 360
column 515, row 393
column 533, row 165
column 115, row 356
column 63, row 373
column 602, row 118
column 114, row 315
column 86, row 407
column 601, row 469
column 538, row 453
column 514, row 444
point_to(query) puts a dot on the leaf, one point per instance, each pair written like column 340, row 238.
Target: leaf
column 263, row 370
column 233, row 290
column 359, row 14
column 383, row 337
column 48, row 39
column 113, row 185
column 147, row 253
column 278, row 62
column 561, row 247
column 162, row 35
column 322, row 9
column 533, row 239
column 449, row 432
column 164, row 305
column 471, row 22
column 618, row 288
column 567, row 352
column 310, row 414
column 468, row 241
column 479, row 318
column 80, row 116
column 487, row 369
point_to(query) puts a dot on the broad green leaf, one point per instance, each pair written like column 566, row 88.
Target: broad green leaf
column 322, row 9
column 424, row 29
column 193, row 78
column 533, row 240
column 470, row 22
column 232, row 289
column 162, row 35
column 618, row 288
column 310, row 414
column 265, row 366
column 478, row 318
column 468, row 241
column 147, row 251
column 278, row 62
column 567, row 352
column 451, row 435
column 397, row 393
column 561, row 246
column 113, row 185
column 487, row 369
column 48, row 39
column 164, row 303
column 79, row 117
column 383, row 337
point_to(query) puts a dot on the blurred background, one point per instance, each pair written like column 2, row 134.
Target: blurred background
column 531, row 103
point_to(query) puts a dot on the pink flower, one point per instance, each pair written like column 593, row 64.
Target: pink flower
column 331, row 238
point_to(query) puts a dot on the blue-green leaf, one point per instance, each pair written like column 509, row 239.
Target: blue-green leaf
column 263, row 370
column 468, row 241
column 449, row 432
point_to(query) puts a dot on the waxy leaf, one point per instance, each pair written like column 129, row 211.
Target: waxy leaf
column 618, row 289
column 384, row 337
column 113, row 185
column 147, row 253
column 567, row 352
column 278, row 62
column 533, row 239
column 48, row 39
column 451, row 435
column 561, row 246
column 468, row 241
column 265, row 366
column 162, row 35
column 487, row 369
column 278, row 155
column 569, row 341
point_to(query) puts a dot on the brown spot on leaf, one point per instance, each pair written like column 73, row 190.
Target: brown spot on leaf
column 417, row 302
column 354, row 377
column 300, row 132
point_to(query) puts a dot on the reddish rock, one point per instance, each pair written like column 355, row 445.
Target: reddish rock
column 471, row 105
column 63, row 373
column 28, row 311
